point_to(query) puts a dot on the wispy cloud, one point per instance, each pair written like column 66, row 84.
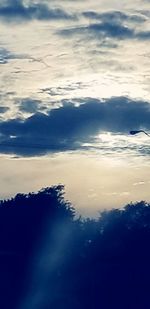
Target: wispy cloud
column 115, row 16
column 6, row 56
column 110, row 24
column 18, row 11
column 3, row 109
column 101, row 30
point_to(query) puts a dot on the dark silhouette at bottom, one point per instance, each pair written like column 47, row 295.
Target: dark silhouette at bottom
column 51, row 259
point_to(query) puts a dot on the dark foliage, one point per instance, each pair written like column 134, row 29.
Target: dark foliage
column 50, row 259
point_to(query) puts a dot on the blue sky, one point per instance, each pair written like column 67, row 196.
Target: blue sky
column 74, row 81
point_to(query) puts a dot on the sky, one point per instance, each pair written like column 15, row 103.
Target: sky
column 74, row 80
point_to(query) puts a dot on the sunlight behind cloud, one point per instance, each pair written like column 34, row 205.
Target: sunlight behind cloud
column 57, row 55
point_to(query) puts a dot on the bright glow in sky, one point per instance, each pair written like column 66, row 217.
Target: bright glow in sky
column 74, row 79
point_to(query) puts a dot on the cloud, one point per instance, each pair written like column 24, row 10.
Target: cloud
column 69, row 127
column 114, row 16
column 143, row 35
column 30, row 105
column 114, row 25
column 6, row 56
column 112, row 30
column 18, row 11
column 102, row 29
column 3, row 109
column 62, row 90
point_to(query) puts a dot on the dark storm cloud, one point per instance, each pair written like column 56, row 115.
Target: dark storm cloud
column 16, row 10
column 69, row 127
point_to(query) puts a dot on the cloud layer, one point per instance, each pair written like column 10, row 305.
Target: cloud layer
column 70, row 127
column 89, row 55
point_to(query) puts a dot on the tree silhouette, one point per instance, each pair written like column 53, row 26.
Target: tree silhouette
column 23, row 220
column 51, row 259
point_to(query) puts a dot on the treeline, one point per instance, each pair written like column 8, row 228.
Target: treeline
column 51, row 259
